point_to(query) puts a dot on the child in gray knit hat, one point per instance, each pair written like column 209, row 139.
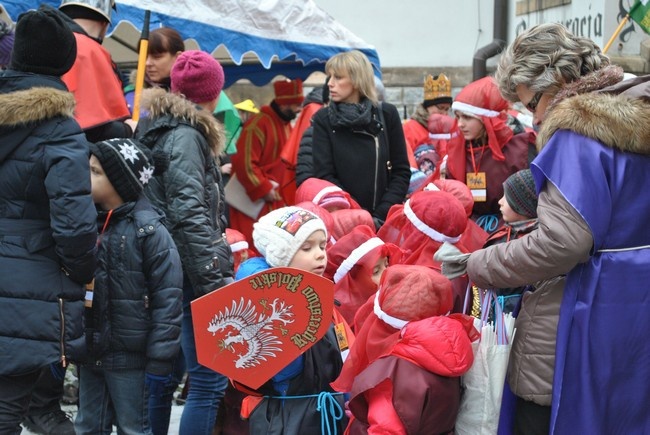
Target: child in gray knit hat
column 519, row 210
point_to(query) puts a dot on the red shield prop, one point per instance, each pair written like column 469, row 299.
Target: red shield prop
column 251, row 329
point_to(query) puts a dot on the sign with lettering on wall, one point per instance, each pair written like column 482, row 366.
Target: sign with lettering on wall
column 597, row 20
column 251, row 329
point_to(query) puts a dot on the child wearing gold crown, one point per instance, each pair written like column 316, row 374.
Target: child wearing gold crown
column 437, row 100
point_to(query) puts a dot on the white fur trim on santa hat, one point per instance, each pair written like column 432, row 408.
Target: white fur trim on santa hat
column 356, row 255
column 385, row 317
column 279, row 234
column 325, row 191
column 458, row 106
column 446, row 136
column 431, row 187
column 424, row 228
column 239, row 246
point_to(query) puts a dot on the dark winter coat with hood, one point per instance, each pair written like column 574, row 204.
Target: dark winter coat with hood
column 187, row 185
column 47, row 223
column 135, row 319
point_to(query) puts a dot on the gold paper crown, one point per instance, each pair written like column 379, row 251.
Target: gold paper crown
column 437, row 87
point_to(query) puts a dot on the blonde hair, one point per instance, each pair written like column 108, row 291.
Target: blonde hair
column 354, row 64
column 545, row 58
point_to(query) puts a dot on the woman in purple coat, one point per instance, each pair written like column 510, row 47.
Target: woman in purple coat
column 591, row 176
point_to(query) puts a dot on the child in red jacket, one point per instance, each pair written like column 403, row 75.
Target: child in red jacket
column 403, row 371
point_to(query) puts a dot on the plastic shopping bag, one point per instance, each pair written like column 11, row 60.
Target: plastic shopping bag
column 481, row 401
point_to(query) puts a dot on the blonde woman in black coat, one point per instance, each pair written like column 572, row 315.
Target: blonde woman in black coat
column 359, row 143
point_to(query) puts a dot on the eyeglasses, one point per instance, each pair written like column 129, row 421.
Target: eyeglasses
column 532, row 104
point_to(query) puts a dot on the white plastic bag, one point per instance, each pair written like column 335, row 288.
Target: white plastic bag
column 481, row 401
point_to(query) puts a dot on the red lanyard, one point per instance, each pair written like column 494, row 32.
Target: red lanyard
column 476, row 167
column 108, row 218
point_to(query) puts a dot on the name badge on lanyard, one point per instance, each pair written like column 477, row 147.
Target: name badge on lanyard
column 342, row 339
column 477, row 183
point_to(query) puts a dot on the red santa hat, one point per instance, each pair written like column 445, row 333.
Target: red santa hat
column 350, row 251
column 350, row 264
column 236, row 240
column 456, row 188
column 440, row 126
column 483, row 100
column 423, row 224
column 346, row 220
column 406, row 293
column 327, row 195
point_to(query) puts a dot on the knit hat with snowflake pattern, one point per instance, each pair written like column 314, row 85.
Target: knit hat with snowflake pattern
column 127, row 165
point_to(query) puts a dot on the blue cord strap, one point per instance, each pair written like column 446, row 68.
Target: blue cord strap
column 330, row 409
column 330, row 412
column 488, row 222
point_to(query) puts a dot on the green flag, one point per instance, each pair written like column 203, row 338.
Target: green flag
column 227, row 113
column 640, row 13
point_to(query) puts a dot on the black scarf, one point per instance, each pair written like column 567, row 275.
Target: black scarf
column 354, row 115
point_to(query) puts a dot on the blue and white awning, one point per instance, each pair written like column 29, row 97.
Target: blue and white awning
column 289, row 37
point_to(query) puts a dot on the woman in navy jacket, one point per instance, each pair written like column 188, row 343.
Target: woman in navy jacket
column 47, row 217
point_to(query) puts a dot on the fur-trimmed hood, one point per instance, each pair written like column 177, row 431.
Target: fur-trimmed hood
column 618, row 121
column 32, row 105
column 159, row 103
column 28, row 101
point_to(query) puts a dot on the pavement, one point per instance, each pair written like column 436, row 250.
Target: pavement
column 174, row 422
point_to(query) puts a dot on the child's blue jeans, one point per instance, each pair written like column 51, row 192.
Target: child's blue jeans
column 207, row 387
column 108, row 397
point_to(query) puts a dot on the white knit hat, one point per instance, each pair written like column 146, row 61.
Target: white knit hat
column 280, row 233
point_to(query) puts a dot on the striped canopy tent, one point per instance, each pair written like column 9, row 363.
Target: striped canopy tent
column 253, row 39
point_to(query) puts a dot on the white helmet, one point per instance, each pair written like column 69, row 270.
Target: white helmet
column 102, row 7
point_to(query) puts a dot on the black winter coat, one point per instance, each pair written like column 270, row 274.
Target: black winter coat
column 305, row 160
column 304, row 163
column 370, row 164
column 47, row 223
column 135, row 319
column 322, row 365
column 187, row 186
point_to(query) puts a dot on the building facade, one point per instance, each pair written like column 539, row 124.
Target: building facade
column 419, row 37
